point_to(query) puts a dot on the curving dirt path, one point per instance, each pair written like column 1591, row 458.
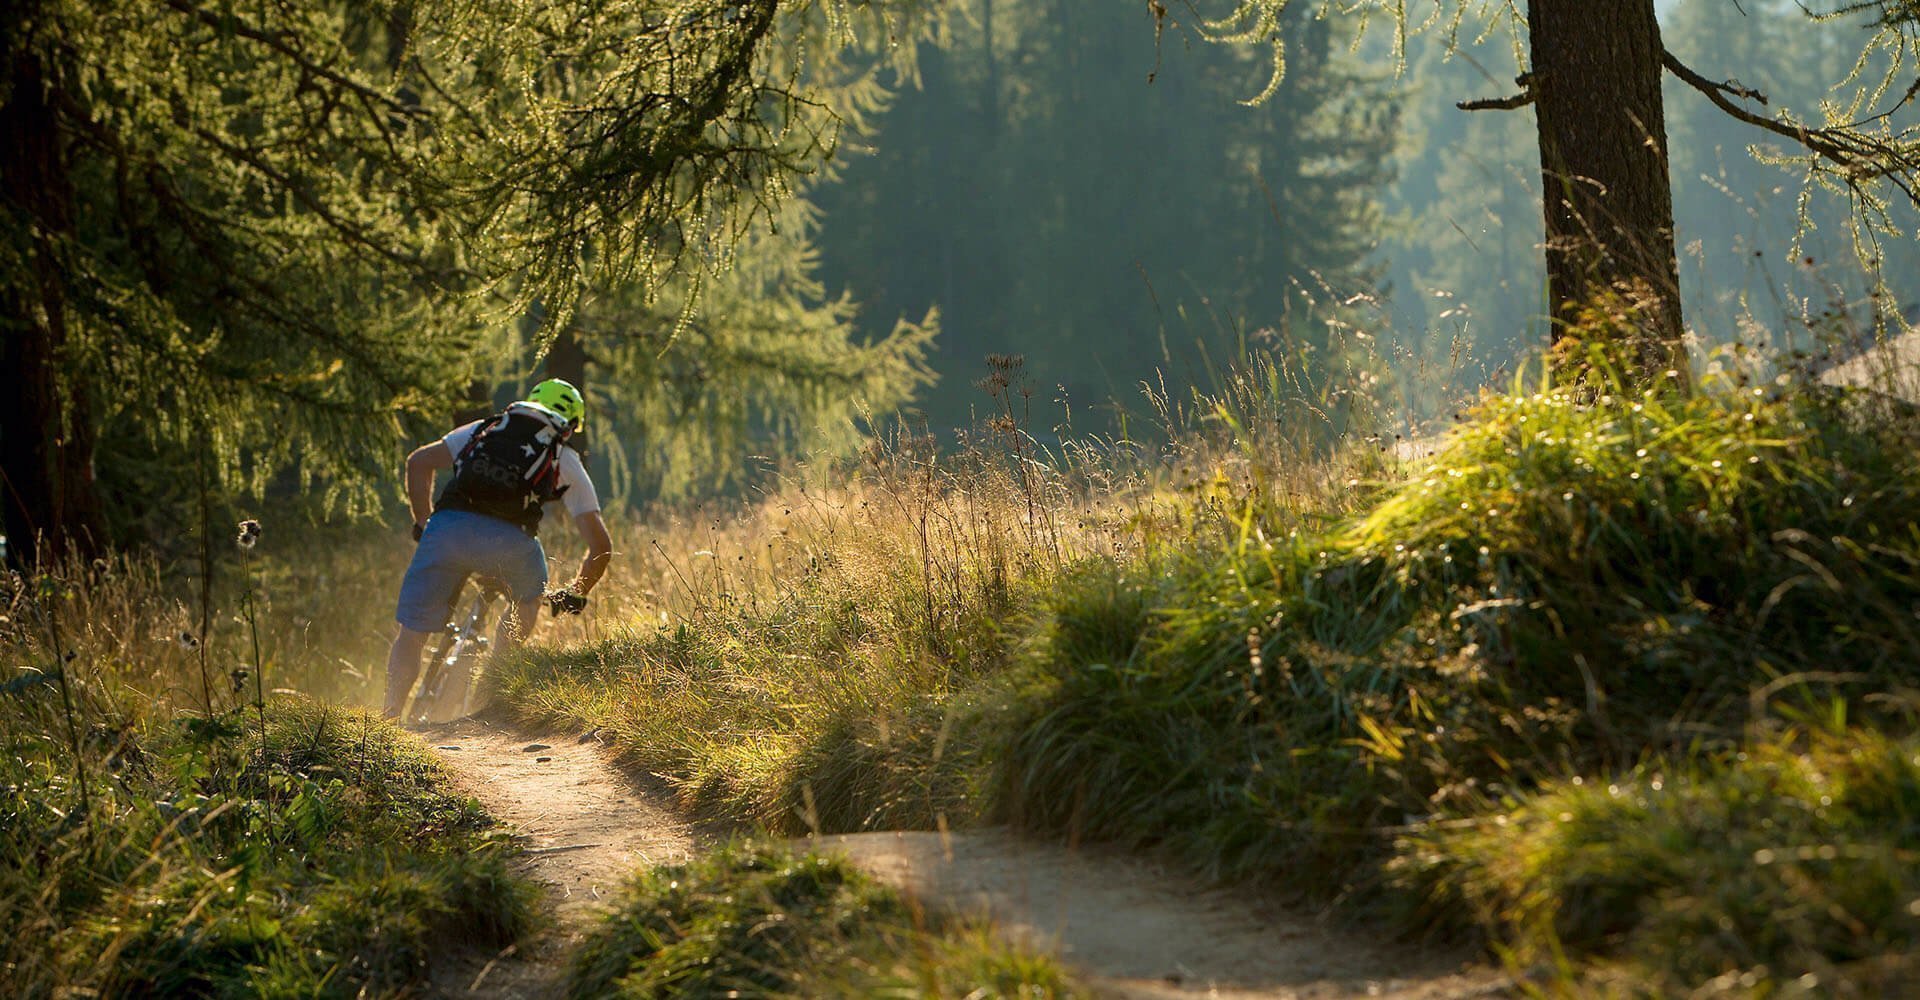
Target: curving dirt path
column 587, row 825
column 1136, row 931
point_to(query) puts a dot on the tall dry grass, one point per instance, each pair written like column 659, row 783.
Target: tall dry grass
column 169, row 828
column 835, row 651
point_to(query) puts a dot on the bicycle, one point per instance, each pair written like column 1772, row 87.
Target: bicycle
column 458, row 659
column 447, row 689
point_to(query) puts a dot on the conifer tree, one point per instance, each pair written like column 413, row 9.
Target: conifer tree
column 269, row 233
column 751, row 362
column 696, row 383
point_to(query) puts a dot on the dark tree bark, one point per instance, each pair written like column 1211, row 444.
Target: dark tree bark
column 567, row 359
column 1595, row 85
column 46, row 427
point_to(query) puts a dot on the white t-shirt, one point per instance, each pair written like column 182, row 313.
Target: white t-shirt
column 579, row 496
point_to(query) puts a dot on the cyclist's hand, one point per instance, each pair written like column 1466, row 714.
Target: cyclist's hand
column 566, row 602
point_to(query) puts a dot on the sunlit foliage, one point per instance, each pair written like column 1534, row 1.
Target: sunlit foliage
column 267, row 234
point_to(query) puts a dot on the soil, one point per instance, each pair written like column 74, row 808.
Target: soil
column 1133, row 929
column 586, row 825
column 1137, row 930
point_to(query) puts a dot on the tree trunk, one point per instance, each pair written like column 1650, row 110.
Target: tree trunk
column 46, row 432
column 1603, row 163
column 567, row 359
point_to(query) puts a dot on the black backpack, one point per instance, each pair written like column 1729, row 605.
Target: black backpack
column 509, row 468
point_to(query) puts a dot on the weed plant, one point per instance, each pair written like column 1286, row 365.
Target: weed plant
column 765, row 921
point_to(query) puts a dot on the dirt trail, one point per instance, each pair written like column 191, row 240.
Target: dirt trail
column 1136, row 931
column 587, row 823
column 1140, row 931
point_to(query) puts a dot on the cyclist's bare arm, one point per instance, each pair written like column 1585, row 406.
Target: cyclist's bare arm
column 421, row 465
column 593, row 528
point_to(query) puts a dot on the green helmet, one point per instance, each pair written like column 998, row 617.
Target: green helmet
column 561, row 397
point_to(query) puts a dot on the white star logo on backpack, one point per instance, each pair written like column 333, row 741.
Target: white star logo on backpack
column 529, row 449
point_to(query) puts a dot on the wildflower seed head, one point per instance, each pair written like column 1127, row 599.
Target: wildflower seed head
column 188, row 641
column 249, row 534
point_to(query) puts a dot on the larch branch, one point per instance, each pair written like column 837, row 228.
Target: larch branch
column 278, row 42
column 1519, row 100
column 1820, row 141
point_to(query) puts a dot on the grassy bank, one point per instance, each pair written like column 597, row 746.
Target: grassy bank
column 1363, row 683
column 1568, row 588
column 176, row 818
column 1786, row 867
column 846, row 651
column 169, row 826
column 334, row 863
column 753, row 920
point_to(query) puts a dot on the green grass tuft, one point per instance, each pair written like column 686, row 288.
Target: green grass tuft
column 1789, row 865
column 333, row 864
column 761, row 920
column 1291, row 696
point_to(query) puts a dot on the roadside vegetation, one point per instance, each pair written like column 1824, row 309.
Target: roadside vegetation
column 171, row 826
column 1616, row 679
column 1603, row 672
column 1616, row 676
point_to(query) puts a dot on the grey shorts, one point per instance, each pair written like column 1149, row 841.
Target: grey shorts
column 458, row 544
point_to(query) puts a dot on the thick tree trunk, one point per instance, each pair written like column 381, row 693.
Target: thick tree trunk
column 567, row 359
column 46, row 433
column 1603, row 161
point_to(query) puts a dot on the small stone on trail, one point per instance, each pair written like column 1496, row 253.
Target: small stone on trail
column 541, row 760
column 589, row 736
column 447, row 748
column 535, row 748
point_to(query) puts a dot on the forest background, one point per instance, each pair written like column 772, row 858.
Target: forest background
column 1095, row 194
column 1146, row 225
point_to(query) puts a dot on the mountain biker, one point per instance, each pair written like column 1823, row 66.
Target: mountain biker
column 486, row 521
